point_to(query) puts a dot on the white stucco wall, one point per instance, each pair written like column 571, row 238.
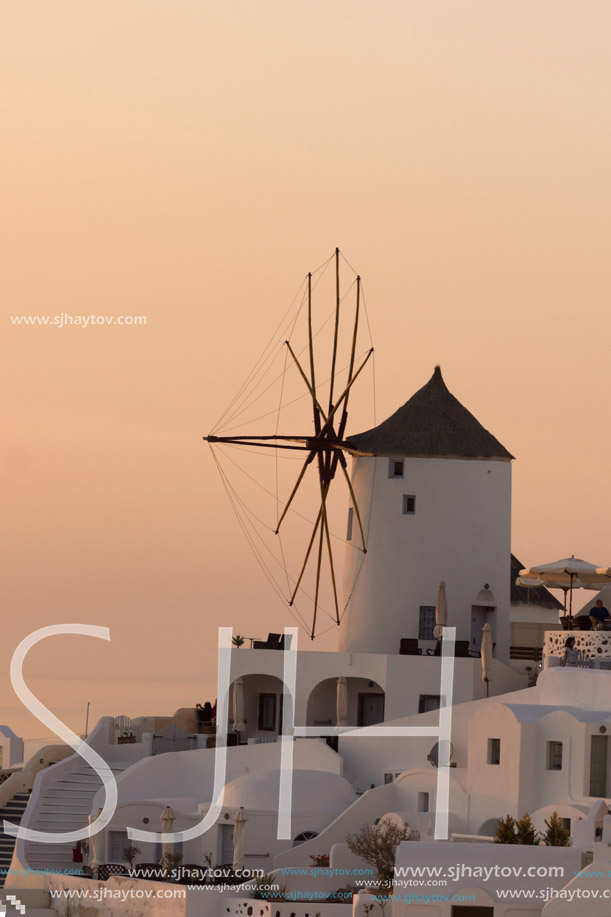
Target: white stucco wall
column 459, row 533
column 11, row 748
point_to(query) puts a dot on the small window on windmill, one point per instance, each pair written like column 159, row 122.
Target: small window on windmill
column 350, row 522
column 388, row 778
column 409, row 505
column 423, row 802
column 395, row 468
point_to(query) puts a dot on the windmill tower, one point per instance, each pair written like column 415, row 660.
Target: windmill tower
column 434, row 491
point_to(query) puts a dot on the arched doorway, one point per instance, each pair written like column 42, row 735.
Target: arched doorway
column 263, row 708
column 365, row 703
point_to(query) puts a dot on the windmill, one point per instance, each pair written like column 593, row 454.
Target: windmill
column 325, row 449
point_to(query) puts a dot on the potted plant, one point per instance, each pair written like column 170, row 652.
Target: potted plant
column 170, row 862
column 130, row 854
column 238, row 641
column 377, row 845
column 127, row 737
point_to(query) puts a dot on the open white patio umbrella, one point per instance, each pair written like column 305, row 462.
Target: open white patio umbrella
column 342, row 701
column 167, row 822
column 441, row 610
column 96, row 844
column 486, row 654
column 567, row 572
column 238, row 706
column 537, row 582
column 239, row 833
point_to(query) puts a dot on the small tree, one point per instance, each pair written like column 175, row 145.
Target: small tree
column 556, row 834
column 506, row 831
column 238, row 640
column 130, row 854
column 377, row 845
column 170, row 862
column 525, row 831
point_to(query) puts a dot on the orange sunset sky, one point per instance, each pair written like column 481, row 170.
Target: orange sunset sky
column 189, row 161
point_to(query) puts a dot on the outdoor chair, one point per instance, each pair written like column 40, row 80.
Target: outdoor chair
column 409, row 647
column 461, row 649
column 273, row 642
column 106, row 870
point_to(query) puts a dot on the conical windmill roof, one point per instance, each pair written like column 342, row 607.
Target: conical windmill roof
column 432, row 423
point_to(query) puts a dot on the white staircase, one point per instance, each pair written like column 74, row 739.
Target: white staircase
column 63, row 804
column 12, row 811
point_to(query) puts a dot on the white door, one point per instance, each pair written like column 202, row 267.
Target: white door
column 226, row 845
column 478, row 619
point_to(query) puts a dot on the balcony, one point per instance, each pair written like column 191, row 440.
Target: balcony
column 593, row 646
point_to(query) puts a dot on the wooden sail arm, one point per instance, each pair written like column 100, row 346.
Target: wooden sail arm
column 345, row 393
column 307, row 381
column 295, row 489
column 342, row 397
column 324, row 490
column 310, row 443
column 307, row 557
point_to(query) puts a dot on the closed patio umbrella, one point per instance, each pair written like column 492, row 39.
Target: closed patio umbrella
column 167, row 822
column 96, row 843
column 239, row 832
column 342, row 701
column 486, row 654
column 441, row 610
column 238, row 706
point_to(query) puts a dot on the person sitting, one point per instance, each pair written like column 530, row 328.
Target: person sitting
column 599, row 616
column 571, row 656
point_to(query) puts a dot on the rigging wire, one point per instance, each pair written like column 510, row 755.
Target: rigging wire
column 271, row 494
column 246, row 509
column 255, row 368
column 253, row 547
column 283, row 333
column 287, row 404
column 242, row 402
column 270, row 575
column 240, row 408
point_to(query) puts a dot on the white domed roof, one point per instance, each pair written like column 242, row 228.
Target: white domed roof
column 313, row 791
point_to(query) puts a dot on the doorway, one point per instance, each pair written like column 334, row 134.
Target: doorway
column 371, row 709
column 226, row 845
column 479, row 616
column 598, row 766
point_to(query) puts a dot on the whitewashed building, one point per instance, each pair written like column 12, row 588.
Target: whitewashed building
column 435, row 499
